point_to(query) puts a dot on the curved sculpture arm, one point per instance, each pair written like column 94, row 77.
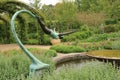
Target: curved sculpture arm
column 51, row 32
column 65, row 33
column 36, row 64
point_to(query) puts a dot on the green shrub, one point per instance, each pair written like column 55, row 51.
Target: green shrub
column 115, row 45
column 108, row 45
column 102, row 37
column 46, row 40
column 107, row 22
column 97, row 37
column 118, row 25
column 78, row 35
column 93, row 46
column 31, row 41
column 50, row 53
column 111, row 28
column 11, row 67
column 88, row 71
column 14, row 65
column 67, row 48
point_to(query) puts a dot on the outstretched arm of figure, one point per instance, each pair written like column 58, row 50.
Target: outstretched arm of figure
column 51, row 32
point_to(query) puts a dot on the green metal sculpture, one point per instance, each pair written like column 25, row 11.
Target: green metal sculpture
column 36, row 64
column 51, row 32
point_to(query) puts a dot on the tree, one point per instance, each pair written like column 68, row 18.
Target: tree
column 61, row 16
column 4, row 36
column 13, row 6
column 35, row 3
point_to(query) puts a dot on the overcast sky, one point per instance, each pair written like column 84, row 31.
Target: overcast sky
column 53, row 2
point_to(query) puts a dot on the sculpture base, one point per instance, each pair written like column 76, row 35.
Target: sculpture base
column 55, row 41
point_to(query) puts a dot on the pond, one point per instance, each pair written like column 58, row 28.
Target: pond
column 112, row 54
column 101, row 55
column 106, row 55
column 77, row 63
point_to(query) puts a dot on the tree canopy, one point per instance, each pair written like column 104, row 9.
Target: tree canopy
column 64, row 16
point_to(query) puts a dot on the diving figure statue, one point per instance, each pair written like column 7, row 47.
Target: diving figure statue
column 51, row 32
column 36, row 64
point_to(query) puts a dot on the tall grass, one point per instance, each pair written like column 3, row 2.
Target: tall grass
column 103, row 37
column 67, row 48
column 115, row 45
column 89, row 71
column 14, row 65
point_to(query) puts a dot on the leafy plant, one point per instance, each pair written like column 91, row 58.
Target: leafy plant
column 93, row 46
column 78, row 35
column 111, row 28
column 102, row 37
column 14, row 65
column 115, row 45
column 50, row 53
column 88, row 71
column 67, row 48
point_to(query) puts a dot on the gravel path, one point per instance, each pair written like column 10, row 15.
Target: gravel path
column 6, row 47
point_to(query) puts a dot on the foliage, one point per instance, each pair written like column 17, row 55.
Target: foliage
column 88, row 71
column 108, row 46
column 115, row 45
column 63, row 16
column 31, row 41
column 102, row 37
column 97, row 38
column 111, row 21
column 93, row 46
column 91, row 19
column 67, row 48
column 77, row 35
column 109, row 7
column 14, row 65
column 35, row 3
column 111, row 28
column 83, row 33
column 46, row 40
column 23, row 21
column 50, row 53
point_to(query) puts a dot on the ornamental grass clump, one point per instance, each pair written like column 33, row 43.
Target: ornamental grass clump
column 67, row 48
column 14, row 64
column 115, row 45
column 93, row 70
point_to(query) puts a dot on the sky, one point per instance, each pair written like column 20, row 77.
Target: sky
column 47, row 2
